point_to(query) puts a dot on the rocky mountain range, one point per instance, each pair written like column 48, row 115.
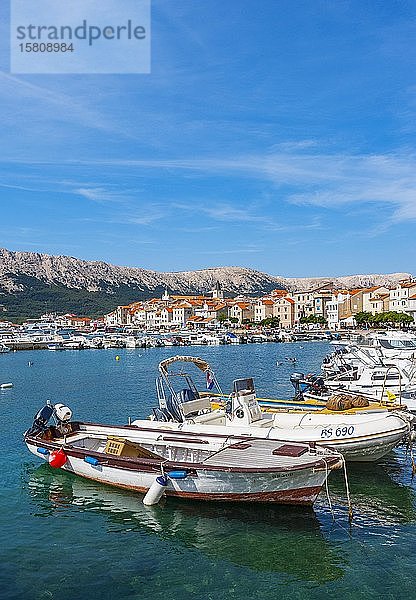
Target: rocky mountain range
column 30, row 281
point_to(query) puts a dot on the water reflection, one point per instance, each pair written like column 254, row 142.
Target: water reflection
column 383, row 493
column 263, row 538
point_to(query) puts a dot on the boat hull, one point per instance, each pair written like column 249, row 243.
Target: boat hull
column 297, row 487
column 358, row 438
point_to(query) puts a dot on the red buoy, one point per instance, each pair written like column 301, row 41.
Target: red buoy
column 57, row 458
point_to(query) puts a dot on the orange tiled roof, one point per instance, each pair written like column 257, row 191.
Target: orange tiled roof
column 410, row 284
column 286, row 298
column 243, row 305
column 279, row 292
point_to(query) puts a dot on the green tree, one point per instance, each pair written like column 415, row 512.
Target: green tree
column 271, row 322
column 247, row 322
column 313, row 320
column 364, row 319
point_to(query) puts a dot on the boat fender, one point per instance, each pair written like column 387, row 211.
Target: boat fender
column 92, row 461
column 57, row 458
column 42, row 451
column 178, row 474
column 156, row 491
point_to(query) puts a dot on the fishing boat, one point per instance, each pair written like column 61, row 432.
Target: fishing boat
column 160, row 460
column 358, row 435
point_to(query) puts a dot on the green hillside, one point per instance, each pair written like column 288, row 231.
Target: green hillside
column 38, row 298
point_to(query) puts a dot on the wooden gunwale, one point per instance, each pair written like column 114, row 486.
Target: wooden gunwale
column 149, row 464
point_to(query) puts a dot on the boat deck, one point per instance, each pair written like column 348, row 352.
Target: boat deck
column 263, row 454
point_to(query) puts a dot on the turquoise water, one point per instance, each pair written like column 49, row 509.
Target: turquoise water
column 67, row 538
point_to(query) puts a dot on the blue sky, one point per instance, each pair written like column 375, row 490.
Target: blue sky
column 277, row 135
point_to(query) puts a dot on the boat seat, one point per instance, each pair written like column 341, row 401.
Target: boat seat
column 193, row 407
column 211, row 417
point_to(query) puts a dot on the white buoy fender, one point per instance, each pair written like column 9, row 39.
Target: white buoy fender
column 156, row 491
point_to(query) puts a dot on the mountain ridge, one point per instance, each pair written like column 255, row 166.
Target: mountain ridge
column 40, row 277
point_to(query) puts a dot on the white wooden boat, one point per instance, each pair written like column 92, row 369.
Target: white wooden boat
column 360, row 436
column 158, row 460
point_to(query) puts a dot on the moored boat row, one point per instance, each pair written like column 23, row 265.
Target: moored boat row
column 211, row 446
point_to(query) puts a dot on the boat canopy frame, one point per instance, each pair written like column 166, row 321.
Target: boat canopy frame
column 171, row 400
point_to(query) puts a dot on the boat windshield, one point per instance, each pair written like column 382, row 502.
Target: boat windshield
column 398, row 344
column 244, row 384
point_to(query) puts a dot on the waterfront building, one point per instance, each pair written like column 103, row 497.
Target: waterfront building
column 334, row 312
column 412, row 307
column 399, row 296
column 181, row 312
column 284, row 310
column 137, row 315
column 379, row 303
column 263, row 309
column 321, row 298
column 242, row 310
column 304, row 304
column 369, row 295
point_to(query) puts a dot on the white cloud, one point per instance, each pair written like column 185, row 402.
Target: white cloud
column 99, row 194
column 316, row 179
column 222, row 211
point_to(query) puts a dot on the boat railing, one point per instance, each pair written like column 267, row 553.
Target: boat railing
column 391, row 368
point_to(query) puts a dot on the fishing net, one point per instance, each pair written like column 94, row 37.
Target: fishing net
column 346, row 401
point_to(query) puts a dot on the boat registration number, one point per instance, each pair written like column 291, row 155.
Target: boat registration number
column 329, row 432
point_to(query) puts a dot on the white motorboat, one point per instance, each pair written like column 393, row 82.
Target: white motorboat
column 360, row 436
column 158, row 460
column 356, row 370
column 391, row 343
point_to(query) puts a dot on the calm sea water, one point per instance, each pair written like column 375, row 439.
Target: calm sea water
column 65, row 538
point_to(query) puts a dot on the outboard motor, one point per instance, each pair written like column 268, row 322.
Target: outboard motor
column 62, row 415
column 42, row 418
column 296, row 379
column 317, row 385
